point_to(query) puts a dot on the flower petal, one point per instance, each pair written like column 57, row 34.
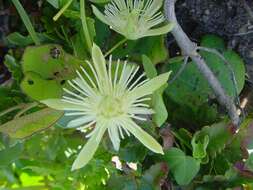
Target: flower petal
column 149, row 87
column 80, row 121
column 114, row 136
column 100, row 15
column 161, row 30
column 100, row 65
column 58, row 104
column 143, row 136
column 89, row 148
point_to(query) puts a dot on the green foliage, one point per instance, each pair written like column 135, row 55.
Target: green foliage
column 184, row 168
column 199, row 145
column 25, row 126
column 153, row 47
column 219, row 135
column 37, row 87
column 13, row 67
column 53, row 66
column 10, row 154
column 202, row 150
column 249, row 162
column 158, row 105
column 191, row 92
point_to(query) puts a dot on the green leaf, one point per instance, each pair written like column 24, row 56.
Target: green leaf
column 26, row 21
column 10, row 154
column 213, row 41
column 54, row 3
column 48, row 67
column 184, row 168
column 199, row 145
column 249, row 162
column 191, row 93
column 153, row 47
column 100, row 1
column 158, row 105
column 149, row 68
column 13, row 67
column 219, row 135
column 9, row 97
column 104, row 32
column 27, row 125
column 151, row 177
column 39, row 89
column 18, row 39
column 161, row 113
column 132, row 152
column 50, row 62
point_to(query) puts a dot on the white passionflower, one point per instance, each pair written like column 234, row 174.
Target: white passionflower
column 109, row 99
column 134, row 19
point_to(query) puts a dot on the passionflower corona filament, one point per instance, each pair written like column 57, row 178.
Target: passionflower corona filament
column 134, row 19
column 109, row 99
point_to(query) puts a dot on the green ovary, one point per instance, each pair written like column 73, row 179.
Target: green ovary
column 110, row 107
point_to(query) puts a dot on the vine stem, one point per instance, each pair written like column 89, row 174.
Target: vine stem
column 180, row 70
column 25, row 18
column 17, row 107
column 190, row 49
column 115, row 46
column 25, row 109
column 181, row 140
column 64, row 8
column 84, row 25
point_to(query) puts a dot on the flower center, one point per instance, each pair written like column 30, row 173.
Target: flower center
column 110, row 107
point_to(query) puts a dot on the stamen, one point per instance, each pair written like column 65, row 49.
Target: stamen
column 116, row 74
column 138, row 79
column 140, row 105
column 132, row 76
column 140, row 111
column 74, row 103
column 138, row 118
column 77, row 89
column 74, row 94
column 82, row 84
column 125, row 81
column 94, row 73
column 90, row 134
column 73, row 100
column 121, row 132
column 123, row 72
column 148, row 5
column 141, row 83
column 142, row 100
column 88, row 76
column 110, row 71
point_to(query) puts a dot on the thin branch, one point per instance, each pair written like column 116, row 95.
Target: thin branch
column 228, row 64
column 115, row 46
column 17, row 107
column 190, row 49
column 243, row 33
column 180, row 70
column 85, row 25
column 25, row 109
column 248, row 9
